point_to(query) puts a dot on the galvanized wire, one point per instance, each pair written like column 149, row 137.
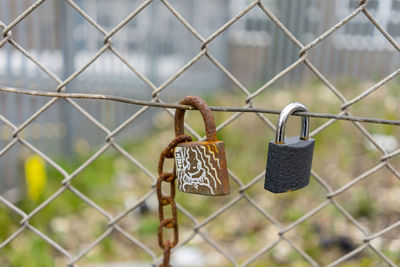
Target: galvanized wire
column 156, row 101
column 179, row 106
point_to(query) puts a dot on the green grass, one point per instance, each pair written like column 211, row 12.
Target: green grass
column 111, row 181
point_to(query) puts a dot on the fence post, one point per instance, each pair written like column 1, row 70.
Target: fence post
column 66, row 25
column 152, row 48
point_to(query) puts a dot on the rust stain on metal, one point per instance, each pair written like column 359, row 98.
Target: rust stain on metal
column 164, row 200
column 208, row 117
column 201, row 167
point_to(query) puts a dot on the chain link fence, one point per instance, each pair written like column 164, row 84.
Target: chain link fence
column 199, row 227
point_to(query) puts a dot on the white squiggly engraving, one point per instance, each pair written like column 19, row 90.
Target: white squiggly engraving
column 198, row 172
column 213, row 154
column 208, row 159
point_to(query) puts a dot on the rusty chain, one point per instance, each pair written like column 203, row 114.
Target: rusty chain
column 164, row 200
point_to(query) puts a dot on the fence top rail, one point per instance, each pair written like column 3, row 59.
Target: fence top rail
column 246, row 108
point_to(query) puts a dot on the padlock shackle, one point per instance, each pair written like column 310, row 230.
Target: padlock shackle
column 208, row 117
column 284, row 116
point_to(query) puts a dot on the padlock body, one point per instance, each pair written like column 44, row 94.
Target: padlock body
column 289, row 165
column 201, row 168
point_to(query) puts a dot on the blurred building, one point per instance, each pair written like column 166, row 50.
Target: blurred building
column 357, row 50
column 254, row 49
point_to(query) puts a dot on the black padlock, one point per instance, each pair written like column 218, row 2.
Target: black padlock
column 289, row 161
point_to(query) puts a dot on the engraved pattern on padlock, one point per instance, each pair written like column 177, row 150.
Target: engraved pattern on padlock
column 200, row 166
column 289, row 159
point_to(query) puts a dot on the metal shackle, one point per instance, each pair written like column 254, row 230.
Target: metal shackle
column 206, row 113
column 284, row 116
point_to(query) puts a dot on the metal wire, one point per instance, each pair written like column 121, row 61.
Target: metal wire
column 179, row 106
column 199, row 226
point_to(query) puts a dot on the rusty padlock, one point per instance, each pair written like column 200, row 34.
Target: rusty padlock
column 289, row 160
column 200, row 166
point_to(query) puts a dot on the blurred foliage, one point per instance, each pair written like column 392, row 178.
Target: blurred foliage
column 111, row 181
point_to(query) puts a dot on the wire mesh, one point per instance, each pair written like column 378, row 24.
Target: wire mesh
column 248, row 106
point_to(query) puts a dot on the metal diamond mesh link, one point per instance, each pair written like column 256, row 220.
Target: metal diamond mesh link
column 198, row 228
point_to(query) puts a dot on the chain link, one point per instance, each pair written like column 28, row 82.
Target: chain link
column 368, row 236
column 163, row 200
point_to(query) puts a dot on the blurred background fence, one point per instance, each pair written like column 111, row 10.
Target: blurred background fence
column 209, row 48
column 254, row 50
